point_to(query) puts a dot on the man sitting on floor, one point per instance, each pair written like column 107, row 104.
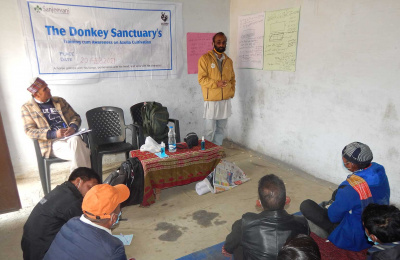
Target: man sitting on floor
column 382, row 227
column 89, row 236
column 49, row 119
column 261, row 236
column 341, row 218
column 54, row 210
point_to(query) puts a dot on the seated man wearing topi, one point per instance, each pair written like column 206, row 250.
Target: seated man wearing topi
column 49, row 119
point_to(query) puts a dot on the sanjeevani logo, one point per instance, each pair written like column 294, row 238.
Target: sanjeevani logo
column 37, row 9
column 54, row 10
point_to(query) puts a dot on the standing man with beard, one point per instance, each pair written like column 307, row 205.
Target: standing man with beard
column 217, row 81
column 49, row 119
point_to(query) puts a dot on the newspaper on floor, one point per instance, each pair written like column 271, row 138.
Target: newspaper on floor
column 225, row 176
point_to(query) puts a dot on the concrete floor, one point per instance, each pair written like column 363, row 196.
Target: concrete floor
column 180, row 222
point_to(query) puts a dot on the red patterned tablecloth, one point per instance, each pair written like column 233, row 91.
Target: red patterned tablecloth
column 182, row 167
column 330, row 252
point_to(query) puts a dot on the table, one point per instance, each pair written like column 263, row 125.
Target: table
column 182, row 167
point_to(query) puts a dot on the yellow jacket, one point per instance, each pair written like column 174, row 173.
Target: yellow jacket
column 209, row 74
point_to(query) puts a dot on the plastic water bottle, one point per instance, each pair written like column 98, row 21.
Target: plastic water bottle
column 162, row 148
column 171, row 140
column 203, row 143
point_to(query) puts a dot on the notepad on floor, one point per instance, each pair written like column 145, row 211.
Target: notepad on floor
column 126, row 239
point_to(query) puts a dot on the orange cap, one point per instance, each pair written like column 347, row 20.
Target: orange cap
column 101, row 200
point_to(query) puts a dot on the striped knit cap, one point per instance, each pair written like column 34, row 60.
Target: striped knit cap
column 357, row 153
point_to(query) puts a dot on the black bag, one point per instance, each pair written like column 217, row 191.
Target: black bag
column 131, row 174
column 115, row 178
column 155, row 120
column 191, row 140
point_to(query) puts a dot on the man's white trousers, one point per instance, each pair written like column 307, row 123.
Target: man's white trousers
column 74, row 150
column 215, row 130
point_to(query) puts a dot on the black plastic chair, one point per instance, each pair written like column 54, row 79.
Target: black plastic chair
column 136, row 113
column 44, row 164
column 44, row 167
column 108, row 135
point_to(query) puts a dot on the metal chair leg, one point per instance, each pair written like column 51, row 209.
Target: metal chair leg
column 42, row 174
column 99, row 166
column 48, row 180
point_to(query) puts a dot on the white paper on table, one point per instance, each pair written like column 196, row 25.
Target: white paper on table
column 82, row 131
column 126, row 239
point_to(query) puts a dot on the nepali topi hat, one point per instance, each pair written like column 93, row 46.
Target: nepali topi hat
column 37, row 84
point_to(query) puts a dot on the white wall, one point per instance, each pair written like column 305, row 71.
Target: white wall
column 345, row 88
column 182, row 96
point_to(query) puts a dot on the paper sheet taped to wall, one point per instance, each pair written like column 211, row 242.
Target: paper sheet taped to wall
column 250, row 41
column 197, row 45
column 280, row 39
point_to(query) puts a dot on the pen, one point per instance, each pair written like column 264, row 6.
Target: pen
column 64, row 125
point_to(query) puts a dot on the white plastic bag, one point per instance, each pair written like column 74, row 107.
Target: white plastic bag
column 202, row 187
column 150, row 145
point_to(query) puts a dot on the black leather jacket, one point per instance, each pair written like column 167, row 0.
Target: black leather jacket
column 46, row 219
column 262, row 235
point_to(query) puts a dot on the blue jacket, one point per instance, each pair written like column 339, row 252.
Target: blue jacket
column 346, row 209
column 78, row 240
